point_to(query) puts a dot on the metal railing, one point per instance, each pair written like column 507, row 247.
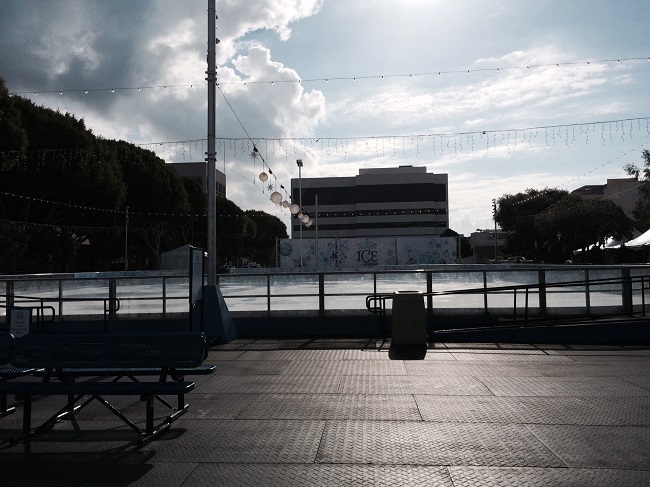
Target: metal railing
column 475, row 289
column 377, row 303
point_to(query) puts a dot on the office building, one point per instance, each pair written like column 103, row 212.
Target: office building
column 400, row 201
column 198, row 171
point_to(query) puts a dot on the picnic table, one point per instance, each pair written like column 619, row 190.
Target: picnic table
column 79, row 365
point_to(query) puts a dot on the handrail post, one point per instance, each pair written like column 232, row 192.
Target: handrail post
column 587, row 293
column 60, row 299
column 10, row 293
column 627, row 291
column 268, row 293
column 526, row 309
column 643, row 278
column 164, row 297
column 485, row 294
column 541, row 280
column 321, row 295
column 514, row 294
column 429, row 295
column 112, row 297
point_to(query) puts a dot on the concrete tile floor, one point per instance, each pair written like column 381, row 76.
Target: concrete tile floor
column 341, row 412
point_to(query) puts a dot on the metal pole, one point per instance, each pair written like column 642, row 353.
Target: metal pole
column 126, row 240
column 316, row 223
column 299, row 162
column 494, row 212
column 211, row 156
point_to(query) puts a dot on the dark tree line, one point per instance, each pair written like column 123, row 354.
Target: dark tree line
column 548, row 225
column 64, row 195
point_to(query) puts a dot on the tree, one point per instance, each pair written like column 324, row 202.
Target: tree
column 516, row 215
column 64, row 194
column 54, row 177
column 269, row 229
column 13, row 137
column 549, row 224
column 642, row 210
column 575, row 223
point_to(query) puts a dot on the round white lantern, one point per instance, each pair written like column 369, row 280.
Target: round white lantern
column 294, row 208
column 276, row 197
column 263, row 176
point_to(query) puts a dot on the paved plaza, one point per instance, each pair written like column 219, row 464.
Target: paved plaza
column 337, row 412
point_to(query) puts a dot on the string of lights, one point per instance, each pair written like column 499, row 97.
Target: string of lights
column 615, row 159
column 275, row 196
column 104, row 210
column 327, row 79
column 80, row 229
column 560, row 130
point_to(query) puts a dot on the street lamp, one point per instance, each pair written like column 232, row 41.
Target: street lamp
column 299, row 164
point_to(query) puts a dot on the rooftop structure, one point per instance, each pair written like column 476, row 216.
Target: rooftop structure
column 198, row 172
column 399, row 201
column 624, row 192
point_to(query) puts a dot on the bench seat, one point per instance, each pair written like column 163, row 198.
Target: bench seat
column 62, row 358
column 73, row 372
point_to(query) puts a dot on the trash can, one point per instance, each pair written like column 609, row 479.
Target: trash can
column 409, row 325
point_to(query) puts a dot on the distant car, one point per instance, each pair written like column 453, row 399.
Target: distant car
column 517, row 259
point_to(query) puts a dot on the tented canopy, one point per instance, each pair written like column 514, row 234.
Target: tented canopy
column 640, row 241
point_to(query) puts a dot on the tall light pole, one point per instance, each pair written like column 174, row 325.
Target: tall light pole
column 126, row 240
column 299, row 163
column 211, row 154
column 496, row 235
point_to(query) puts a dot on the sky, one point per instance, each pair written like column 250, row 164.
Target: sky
column 501, row 95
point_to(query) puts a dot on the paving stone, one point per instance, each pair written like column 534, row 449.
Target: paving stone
column 382, row 366
column 454, row 369
column 412, row 385
column 241, row 441
column 511, row 357
column 495, row 415
column 217, row 406
column 542, row 477
column 269, row 384
column 249, row 367
column 412, row 443
column 597, row 446
column 317, row 475
column 562, row 386
column 333, row 406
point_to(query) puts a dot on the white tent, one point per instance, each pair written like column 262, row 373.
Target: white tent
column 640, row 241
column 610, row 244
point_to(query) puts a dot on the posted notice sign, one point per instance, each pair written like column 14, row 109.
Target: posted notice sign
column 20, row 320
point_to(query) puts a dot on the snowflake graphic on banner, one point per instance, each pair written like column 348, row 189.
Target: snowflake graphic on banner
column 367, row 245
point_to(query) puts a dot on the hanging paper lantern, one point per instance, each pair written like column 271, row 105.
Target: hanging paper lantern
column 285, row 204
column 294, row 208
column 263, row 176
column 299, row 215
column 304, row 218
column 276, row 197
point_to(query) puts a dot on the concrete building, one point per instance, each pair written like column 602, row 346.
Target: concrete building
column 487, row 244
column 400, row 201
column 198, row 171
column 624, row 192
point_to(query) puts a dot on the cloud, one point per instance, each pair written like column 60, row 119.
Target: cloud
column 508, row 95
